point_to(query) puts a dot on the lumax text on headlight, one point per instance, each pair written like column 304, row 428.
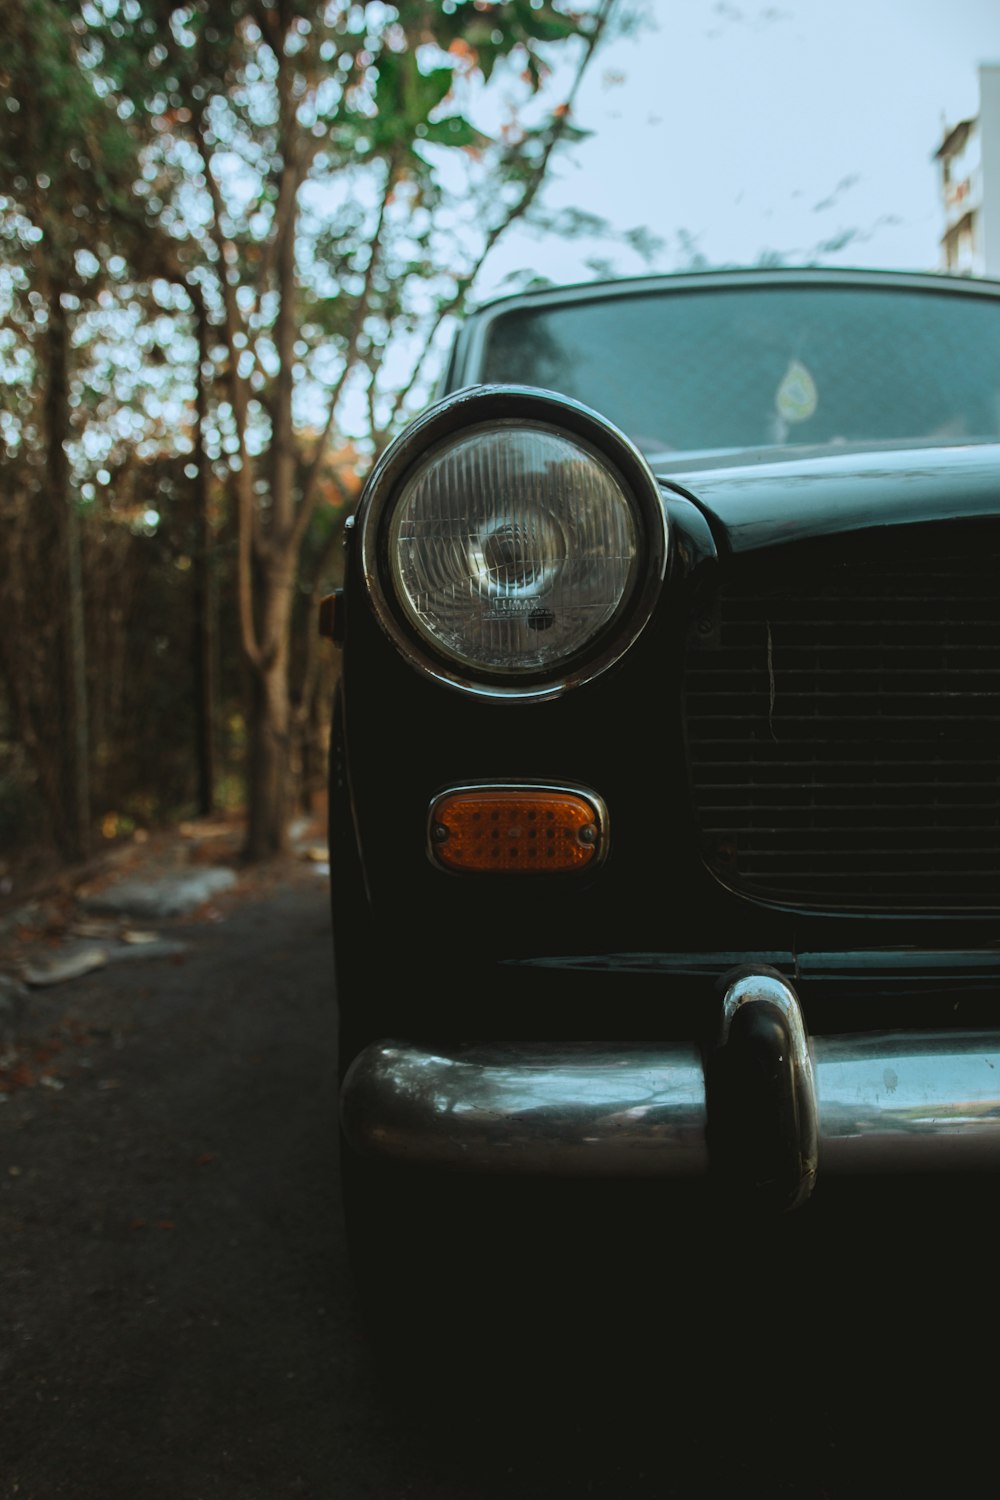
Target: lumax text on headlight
column 513, row 542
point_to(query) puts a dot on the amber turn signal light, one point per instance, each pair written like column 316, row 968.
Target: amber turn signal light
column 516, row 830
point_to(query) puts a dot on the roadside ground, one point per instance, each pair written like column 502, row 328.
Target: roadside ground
column 124, row 905
column 177, row 1314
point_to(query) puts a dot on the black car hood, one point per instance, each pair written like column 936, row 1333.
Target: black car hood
column 763, row 500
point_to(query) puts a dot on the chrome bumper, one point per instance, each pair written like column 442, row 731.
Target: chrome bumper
column 769, row 1105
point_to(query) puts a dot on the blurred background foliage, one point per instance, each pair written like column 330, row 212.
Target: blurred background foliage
column 234, row 238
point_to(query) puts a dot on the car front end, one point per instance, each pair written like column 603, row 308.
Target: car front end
column 665, row 800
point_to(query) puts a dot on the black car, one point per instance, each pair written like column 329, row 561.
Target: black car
column 665, row 811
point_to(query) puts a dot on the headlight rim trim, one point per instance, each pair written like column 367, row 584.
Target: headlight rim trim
column 478, row 406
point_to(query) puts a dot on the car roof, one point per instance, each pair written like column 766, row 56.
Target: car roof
column 745, row 276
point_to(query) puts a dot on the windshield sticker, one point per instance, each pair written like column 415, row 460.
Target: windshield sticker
column 797, row 397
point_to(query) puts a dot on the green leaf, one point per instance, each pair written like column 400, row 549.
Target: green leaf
column 407, row 95
column 454, row 131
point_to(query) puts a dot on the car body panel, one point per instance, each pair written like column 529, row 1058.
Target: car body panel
column 769, row 504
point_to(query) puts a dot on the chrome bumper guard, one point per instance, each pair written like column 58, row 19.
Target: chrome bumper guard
column 767, row 1109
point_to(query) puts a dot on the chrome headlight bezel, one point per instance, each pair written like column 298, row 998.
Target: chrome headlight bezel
column 485, row 409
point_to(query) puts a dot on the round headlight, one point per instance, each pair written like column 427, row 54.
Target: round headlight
column 512, row 548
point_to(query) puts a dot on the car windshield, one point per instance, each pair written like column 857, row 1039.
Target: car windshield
column 711, row 370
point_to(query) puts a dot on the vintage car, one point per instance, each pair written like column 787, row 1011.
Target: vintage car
column 665, row 798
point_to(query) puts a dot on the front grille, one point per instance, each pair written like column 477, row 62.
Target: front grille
column 844, row 733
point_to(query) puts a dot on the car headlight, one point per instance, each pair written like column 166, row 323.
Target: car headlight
column 513, row 542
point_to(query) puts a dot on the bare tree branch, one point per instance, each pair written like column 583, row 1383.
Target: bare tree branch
column 246, row 512
column 310, row 488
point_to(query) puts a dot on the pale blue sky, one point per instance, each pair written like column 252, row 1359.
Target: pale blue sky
column 769, row 126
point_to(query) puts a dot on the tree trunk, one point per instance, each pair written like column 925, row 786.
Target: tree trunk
column 269, row 780
column 65, row 589
column 269, row 770
column 205, row 595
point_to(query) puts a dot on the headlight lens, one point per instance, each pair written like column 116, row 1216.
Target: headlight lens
column 512, row 542
column 512, row 547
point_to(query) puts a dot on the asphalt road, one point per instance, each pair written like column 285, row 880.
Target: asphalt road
column 180, row 1318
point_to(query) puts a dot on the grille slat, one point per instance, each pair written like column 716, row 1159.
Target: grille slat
column 844, row 733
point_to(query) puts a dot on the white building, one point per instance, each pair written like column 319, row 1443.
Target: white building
column 969, row 156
